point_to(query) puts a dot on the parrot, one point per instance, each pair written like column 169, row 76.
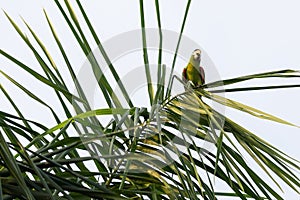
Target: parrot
column 193, row 73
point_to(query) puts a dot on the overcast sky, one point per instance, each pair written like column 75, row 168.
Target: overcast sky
column 240, row 37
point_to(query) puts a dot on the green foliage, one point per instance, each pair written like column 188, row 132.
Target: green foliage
column 54, row 164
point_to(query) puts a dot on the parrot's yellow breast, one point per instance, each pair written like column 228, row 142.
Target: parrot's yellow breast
column 193, row 75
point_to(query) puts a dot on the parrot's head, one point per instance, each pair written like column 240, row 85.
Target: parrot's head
column 196, row 57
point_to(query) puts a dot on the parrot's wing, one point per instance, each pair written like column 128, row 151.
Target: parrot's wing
column 184, row 77
column 202, row 74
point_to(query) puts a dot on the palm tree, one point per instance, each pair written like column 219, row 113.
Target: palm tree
column 122, row 151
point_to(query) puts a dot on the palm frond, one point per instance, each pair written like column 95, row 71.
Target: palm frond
column 176, row 150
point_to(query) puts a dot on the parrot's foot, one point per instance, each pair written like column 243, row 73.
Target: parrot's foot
column 190, row 85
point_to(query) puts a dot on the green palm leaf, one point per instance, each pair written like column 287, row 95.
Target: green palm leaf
column 159, row 153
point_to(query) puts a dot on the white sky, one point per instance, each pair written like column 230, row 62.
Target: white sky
column 241, row 37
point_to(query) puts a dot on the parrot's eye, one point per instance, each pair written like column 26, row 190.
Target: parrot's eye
column 197, row 52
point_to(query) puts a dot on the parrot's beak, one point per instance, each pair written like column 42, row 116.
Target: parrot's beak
column 197, row 55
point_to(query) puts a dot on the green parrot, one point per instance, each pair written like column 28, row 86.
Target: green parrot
column 193, row 73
